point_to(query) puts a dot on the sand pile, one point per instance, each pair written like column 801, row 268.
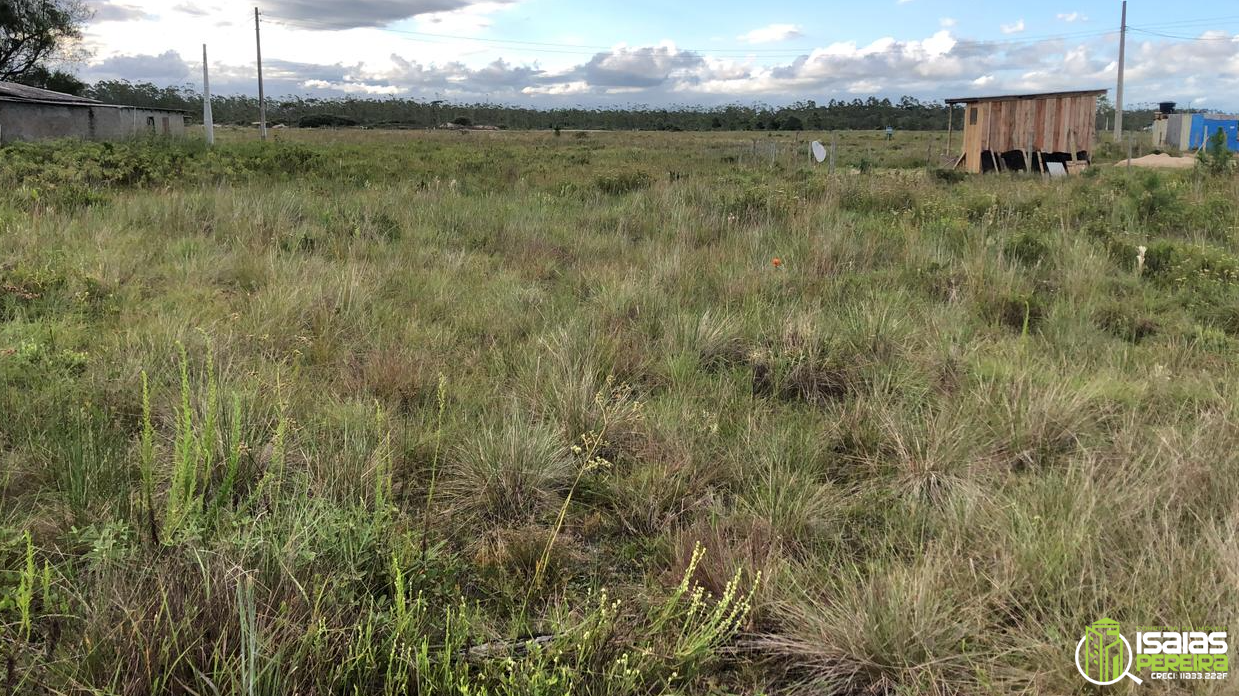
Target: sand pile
column 1162, row 161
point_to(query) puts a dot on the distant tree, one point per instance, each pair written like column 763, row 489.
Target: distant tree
column 792, row 123
column 149, row 95
column 325, row 121
column 33, row 32
column 463, row 121
column 856, row 114
column 1216, row 158
column 55, row 80
column 1105, row 111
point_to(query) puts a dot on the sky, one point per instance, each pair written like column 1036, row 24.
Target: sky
column 553, row 53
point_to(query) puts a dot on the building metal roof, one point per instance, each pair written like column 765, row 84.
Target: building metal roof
column 1021, row 97
column 13, row 92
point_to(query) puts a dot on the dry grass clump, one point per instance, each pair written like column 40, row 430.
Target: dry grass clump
column 516, row 474
column 881, row 630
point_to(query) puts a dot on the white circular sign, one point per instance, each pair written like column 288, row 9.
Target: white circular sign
column 819, row 151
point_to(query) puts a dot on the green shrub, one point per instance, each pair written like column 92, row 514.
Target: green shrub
column 620, row 183
column 1021, row 312
column 872, row 197
column 325, row 121
column 30, row 290
column 949, row 176
column 1223, row 315
column 1121, row 320
column 1216, row 159
column 1027, row 248
column 1190, row 266
column 1155, row 200
column 1216, row 217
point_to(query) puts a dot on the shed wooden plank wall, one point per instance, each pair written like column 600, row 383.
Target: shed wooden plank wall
column 974, row 133
column 1049, row 124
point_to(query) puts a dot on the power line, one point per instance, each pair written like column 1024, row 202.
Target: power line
column 899, row 47
column 1196, row 22
column 1232, row 39
column 576, row 49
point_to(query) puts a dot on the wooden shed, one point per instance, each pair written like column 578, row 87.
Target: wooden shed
column 1023, row 132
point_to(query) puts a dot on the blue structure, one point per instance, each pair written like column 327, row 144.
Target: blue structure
column 1204, row 126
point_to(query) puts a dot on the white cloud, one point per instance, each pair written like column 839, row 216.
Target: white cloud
column 1013, row 28
column 1071, row 17
column 468, row 20
column 106, row 11
column 771, row 34
column 351, row 87
column 947, row 22
column 160, row 43
column 561, row 89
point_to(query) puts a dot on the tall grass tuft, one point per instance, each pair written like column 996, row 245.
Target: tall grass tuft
column 183, row 500
column 441, row 404
column 147, row 462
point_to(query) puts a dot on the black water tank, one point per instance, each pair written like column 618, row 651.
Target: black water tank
column 1166, row 107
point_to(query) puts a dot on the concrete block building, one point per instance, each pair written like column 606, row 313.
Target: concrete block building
column 1192, row 131
column 29, row 113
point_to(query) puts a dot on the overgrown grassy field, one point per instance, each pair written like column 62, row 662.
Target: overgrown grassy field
column 512, row 413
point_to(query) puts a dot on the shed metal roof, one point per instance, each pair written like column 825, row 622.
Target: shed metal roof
column 1020, row 97
column 22, row 94
column 16, row 92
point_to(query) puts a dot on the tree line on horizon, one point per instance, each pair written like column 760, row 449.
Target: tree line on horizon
column 907, row 113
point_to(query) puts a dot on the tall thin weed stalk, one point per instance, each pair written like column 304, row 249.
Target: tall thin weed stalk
column 382, row 465
column 147, row 461
column 247, row 616
column 183, row 490
column 24, row 597
column 441, row 397
column 615, row 404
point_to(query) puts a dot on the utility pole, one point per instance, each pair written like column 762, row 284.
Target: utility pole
column 262, row 102
column 1118, row 101
column 208, row 123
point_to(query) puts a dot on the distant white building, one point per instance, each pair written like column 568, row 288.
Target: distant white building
column 29, row 113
